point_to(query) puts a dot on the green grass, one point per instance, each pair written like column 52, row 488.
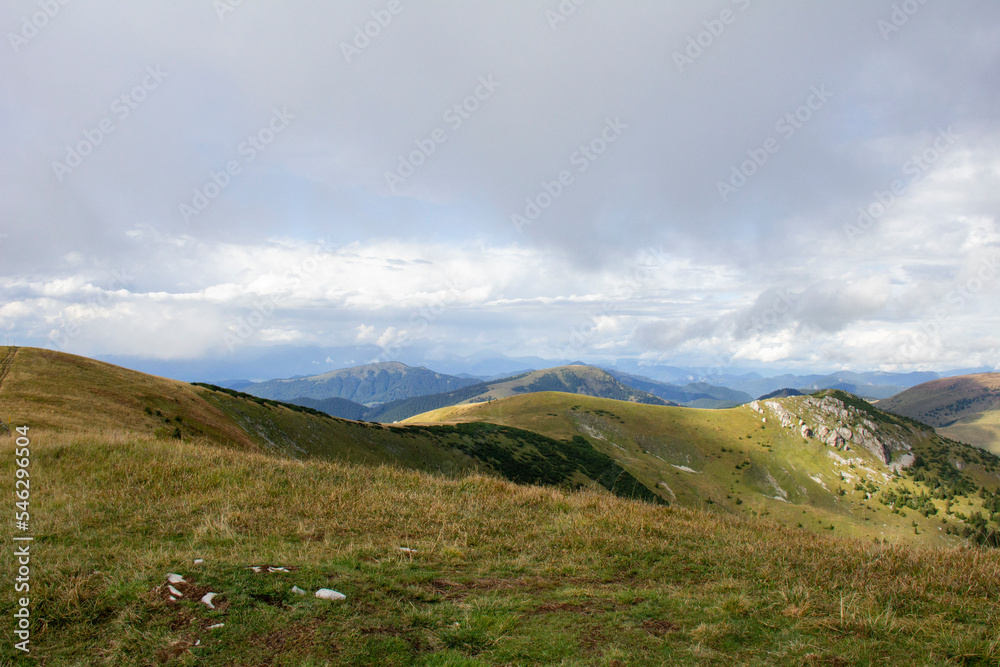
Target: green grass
column 982, row 430
column 744, row 466
column 503, row 574
column 964, row 408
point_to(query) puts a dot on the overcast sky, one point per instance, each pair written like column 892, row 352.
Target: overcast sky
column 814, row 185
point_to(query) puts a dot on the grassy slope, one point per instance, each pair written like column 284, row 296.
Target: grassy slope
column 730, row 457
column 50, row 389
column 964, row 408
column 53, row 390
column 503, row 574
column 982, row 430
column 584, row 380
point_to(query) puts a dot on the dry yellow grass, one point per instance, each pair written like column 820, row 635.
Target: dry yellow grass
column 528, row 574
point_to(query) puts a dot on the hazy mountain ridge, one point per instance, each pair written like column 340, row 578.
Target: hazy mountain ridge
column 578, row 379
column 872, row 385
column 693, row 394
column 369, row 385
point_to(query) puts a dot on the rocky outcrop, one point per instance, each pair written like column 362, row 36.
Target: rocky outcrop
column 784, row 416
column 839, row 426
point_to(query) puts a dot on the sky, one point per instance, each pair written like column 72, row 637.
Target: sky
column 807, row 185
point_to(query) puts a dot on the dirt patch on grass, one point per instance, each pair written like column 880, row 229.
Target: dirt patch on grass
column 297, row 635
column 174, row 650
column 659, row 627
column 586, row 607
column 594, row 640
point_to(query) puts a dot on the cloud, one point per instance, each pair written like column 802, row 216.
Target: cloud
column 279, row 130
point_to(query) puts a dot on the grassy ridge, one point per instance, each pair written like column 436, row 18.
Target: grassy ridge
column 76, row 394
column 79, row 395
column 965, row 408
column 502, row 573
column 515, row 454
column 728, row 460
column 982, row 430
column 583, row 380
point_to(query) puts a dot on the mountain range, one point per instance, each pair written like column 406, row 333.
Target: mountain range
column 585, row 380
column 517, row 516
column 371, row 384
column 287, row 361
column 830, row 454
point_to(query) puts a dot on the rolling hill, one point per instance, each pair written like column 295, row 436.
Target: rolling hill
column 576, row 379
column 751, row 459
column 444, row 562
column 55, row 391
column 828, row 461
column 965, row 408
column 463, row 571
column 368, row 385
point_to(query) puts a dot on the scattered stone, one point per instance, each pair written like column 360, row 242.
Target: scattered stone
column 329, row 594
column 213, row 627
column 407, row 550
column 175, row 578
column 298, row 591
column 174, row 592
column 806, row 431
column 271, row 568
column 256, row 568
column 207, row 599
column 199, row 561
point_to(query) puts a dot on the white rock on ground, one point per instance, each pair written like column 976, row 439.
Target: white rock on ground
column 407, row 550
column 329, row 594
column 298, row 591
column 175, row 578
column 207, row 599
column 199, row 561
column 174, row 591
column 213, row 627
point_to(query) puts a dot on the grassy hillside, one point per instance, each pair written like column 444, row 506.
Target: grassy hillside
column 982, row 430
column 336, row 407
column 578, row 379
column 964, row 408
column 369, row 385
column 501, row 574
column 745, row 461
column 51, row 390
column 60, row 391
